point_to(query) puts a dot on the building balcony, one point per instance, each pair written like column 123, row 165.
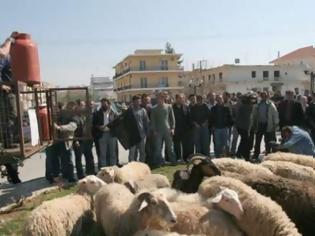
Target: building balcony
column 148, row 88
column 148, row 69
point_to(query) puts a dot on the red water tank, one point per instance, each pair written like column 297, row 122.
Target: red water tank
column 44, row 125
column 24, row 60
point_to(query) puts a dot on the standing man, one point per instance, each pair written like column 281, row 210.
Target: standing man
column 163, row 128
column 221, row 121
column 83, row 147
column 183, row 143
column 142, row 120
column 200, row 121
column 290, row 112
column 8, row 116
column 107, row 143
column 243, row 114
column 265, row 122
column 310, row 117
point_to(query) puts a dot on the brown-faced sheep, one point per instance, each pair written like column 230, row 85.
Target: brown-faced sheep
column 291, row 157
column 131, row 171
column 61, row 216
column 260, row 217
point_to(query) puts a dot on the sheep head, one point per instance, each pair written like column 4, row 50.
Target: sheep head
column 90, row 184
column 107, row 174
column 228, row 200
column 189, row 180
column 156, row 205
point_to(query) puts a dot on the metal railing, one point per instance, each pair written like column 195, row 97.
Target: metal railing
column 148, row 68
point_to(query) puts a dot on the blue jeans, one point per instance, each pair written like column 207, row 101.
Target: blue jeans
column 221, row 137
column 202, row 140
column 138, row 148
column 158, row 141
column 107, row 145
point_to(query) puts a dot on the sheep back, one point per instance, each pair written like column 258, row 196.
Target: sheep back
column 240, row 166
column 290, row 170
column 291, row 157
column 61, row 216
column 132, row 171
column 111, row 201
column 261, row 215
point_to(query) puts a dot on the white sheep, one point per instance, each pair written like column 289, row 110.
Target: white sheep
column 291, row 157
column 90, row 184
column 260, row 216
column 162, row 233
column 290, row 170
column 121, row 213
column 196, row 215
column 240, row 166
column 150, row 182
column 131, row 171
column 63, row 216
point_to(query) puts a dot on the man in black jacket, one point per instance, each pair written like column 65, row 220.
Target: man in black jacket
column 221, row 122
column 310, row 117
column 107, row 142
column 290, row 112
column 200, row 117
column 183, row 142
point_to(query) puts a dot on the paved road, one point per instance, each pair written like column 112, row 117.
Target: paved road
column 32, row 174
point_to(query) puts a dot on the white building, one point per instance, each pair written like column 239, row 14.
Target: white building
column 289, row 72
column 101, row 87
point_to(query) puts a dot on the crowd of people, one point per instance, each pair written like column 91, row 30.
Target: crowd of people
column 232, row 124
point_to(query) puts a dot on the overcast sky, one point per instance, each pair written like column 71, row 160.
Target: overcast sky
column 77, row 38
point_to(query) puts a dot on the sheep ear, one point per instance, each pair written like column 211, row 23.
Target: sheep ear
column 143, row 205
column 184, row 174
column 222, row 188
column 131, row 185
column 217, row 198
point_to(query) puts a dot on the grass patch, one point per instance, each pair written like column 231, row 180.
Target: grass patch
column 12, row 223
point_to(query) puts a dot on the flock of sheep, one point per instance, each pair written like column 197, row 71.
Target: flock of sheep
column 216, row 197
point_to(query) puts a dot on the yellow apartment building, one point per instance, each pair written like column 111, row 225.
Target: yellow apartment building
column 148, row 71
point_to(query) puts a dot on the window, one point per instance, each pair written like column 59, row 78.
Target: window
column 180, row 83
column 265, row 75
column 142, row 65
column 276, row 73
column 163, row 82
column 220, row 76
column 209, row 77
column 266, row 89
column 253, row 74
column 213, row 78
column 143, row 83
column 164, row 65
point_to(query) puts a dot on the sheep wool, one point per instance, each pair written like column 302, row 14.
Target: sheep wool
column 240, row 166
column 132, row 171
column 291, row 157
column 110, row 204
column 162, row 233
column 261, row 215
column 150, row 182
column 61, row 216
column 291, row 170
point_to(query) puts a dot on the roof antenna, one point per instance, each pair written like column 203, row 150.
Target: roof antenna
column 278, row 54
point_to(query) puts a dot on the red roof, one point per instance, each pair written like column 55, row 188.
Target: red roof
column 299, row 53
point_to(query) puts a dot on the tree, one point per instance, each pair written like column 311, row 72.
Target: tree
column 169, row 49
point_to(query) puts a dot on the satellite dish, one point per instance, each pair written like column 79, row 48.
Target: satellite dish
column 237, row 61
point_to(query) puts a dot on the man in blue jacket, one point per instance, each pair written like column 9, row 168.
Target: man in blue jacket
column 297, row 140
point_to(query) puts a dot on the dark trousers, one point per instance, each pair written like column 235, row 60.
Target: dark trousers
column 244, row 146
column 84, row 148
column 313, row 135
column 61, row 161
column 268, row 136
column 183, row 145
column 97, row 148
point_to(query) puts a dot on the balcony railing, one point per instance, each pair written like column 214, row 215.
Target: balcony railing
column 160, row 85
column 147, row 68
